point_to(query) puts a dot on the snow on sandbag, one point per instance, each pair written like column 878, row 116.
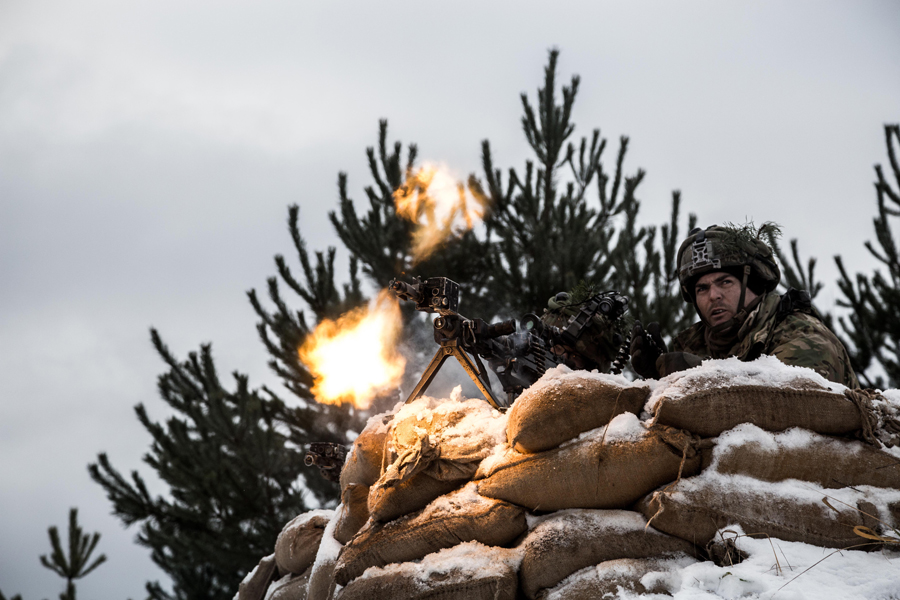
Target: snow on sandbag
column 290, row 587
column 800, row 454
column 434, row 446
column 721, row 394
column 298, row 542
column 364, row 462
column 568, row 541
column 353, row 512
column 694, row 509
column 634, row 575
column 256, row 582
column 564, row 404
column 469, row 571
column 462, row 516
column 321, row 578
column 610, row 467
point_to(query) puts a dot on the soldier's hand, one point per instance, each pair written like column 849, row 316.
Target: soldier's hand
column 646, row 347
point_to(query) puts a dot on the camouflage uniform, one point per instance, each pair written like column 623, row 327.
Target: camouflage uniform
column 786, row 327
column 799, row 338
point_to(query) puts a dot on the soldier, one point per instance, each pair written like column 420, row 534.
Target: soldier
column 729, row 274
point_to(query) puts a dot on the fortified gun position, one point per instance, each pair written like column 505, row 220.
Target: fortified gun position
column 519, row 356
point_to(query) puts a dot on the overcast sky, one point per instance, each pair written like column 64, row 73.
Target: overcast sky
column 149, row 151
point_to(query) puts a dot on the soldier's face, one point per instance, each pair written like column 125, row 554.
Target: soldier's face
column 718, row 295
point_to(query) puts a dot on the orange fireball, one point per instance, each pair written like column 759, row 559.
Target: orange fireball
column 355, row 357
column 437, row 203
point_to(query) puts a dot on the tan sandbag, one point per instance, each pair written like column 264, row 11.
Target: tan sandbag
column 387, row 502
column 321, row 580
column 364, row 462
column 256, row 583
column 290, row 587
column 298, row 542
column 560, row 408
column 434, row 447
column 568, row 541
column 446, row 438
column 694, row 509
column 458, row 517
column 594, row 472
column 354, row 511
column 605, row 579
column 798, row 454
column 724, row 393
column 481, row 574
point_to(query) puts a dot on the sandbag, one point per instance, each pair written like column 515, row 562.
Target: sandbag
column 447, row 438
column 364, row 462
column 466, row 572
column 353, row 513
column 635, row 575
column 290, row 587
column 256, row 582
column 722, row 394
column 387, row 502
column 458, row 517
column 298, row 542
column 695, row 509
column 596, row 471
column 559, row 408
column 799, row 454
column 434, row 447
column 321, row 579
column 568, row 541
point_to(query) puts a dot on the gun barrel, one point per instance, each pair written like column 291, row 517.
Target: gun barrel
column 501, row 328
column 405, row 291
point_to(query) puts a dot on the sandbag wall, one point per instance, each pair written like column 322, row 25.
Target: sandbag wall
column 590, row 483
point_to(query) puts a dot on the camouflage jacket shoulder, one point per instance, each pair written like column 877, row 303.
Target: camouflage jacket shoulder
column 800, row 339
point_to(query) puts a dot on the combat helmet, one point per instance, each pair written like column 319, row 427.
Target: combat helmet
column 735, row 249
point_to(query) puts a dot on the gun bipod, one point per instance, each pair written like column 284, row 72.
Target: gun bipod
column 476, row 372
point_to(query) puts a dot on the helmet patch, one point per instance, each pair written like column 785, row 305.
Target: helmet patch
column 701, row 256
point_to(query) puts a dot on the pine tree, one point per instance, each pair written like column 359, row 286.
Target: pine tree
column 873, row 324
column 77, row 564
column 549, row 237
column 232, row 475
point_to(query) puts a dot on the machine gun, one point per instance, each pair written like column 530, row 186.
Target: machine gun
column 518, row 358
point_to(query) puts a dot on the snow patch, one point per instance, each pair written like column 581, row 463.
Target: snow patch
column 732, row 372
column 459, row 562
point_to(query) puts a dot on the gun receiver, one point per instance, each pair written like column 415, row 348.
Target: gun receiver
column 518, row 358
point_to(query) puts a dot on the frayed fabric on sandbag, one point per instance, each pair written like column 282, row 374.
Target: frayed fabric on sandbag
column 353, row 512
column 631, row 575
column 695, row 509
column 611, row 467
column 459, row 517
column 568, row 541
column 298, row 542
column 828, row 462
column 563, row 404
column 469, row 571
column 434, row 447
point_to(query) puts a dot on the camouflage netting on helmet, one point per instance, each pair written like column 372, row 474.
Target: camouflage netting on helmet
column 603, row 336
column 729, row 248
column 635, row 503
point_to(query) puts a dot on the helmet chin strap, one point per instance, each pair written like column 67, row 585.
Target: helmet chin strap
column 740, row 306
